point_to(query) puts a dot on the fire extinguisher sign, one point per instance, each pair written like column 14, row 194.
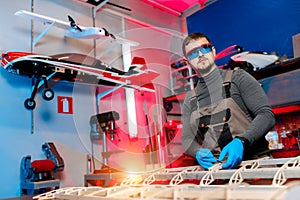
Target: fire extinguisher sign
column 64, row 105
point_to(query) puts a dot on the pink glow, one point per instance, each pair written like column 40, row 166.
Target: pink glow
column 178, row 5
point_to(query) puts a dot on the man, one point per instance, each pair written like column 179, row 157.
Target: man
column 227, row 115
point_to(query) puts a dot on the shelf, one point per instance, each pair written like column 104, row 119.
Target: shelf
column 180, row 69
column 178, row 97
column 181, row 76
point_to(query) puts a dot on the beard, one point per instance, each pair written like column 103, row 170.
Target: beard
column 204, row 67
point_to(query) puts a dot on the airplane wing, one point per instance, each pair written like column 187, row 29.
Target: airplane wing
column 126, row 41
column 43, row 19
column 137, row 80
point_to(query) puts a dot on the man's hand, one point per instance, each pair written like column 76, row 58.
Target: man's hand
column 205, row 158
column 235, row 151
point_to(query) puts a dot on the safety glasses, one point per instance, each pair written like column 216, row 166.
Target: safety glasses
column 194, row 53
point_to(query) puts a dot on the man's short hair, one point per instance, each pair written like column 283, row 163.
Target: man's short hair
column 192, row 36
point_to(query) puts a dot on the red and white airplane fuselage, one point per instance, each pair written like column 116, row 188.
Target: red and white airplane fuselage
column 74, row 68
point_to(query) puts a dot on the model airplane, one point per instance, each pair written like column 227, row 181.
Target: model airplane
column 73, row 68
column 72, row 29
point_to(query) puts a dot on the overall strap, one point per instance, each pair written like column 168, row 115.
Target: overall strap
column 227, row 83
column 193, row 99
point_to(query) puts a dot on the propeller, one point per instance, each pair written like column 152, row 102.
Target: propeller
column 108, row 33
column 73, row 23
column 97, row 2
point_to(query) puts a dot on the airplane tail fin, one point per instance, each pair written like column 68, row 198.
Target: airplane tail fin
column 142, row 61
column 139, row 61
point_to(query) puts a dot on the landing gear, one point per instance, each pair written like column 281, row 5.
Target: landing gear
column 47, row 94
column 29, row 104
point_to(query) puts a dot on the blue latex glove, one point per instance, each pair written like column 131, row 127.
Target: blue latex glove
column 205, row 158
column 235, row 151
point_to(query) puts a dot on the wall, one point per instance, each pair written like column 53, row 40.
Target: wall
column 265, row 26
column 22, row 131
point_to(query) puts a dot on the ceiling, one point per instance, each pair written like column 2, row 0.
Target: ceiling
column 178, row 7
column 175, row 7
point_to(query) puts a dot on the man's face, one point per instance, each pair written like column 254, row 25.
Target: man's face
column 201, row 56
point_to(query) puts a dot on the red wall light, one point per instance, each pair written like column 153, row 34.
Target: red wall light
column 286, row 109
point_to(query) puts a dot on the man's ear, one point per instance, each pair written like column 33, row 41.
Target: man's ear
column 214, row 50
column 187, row 60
